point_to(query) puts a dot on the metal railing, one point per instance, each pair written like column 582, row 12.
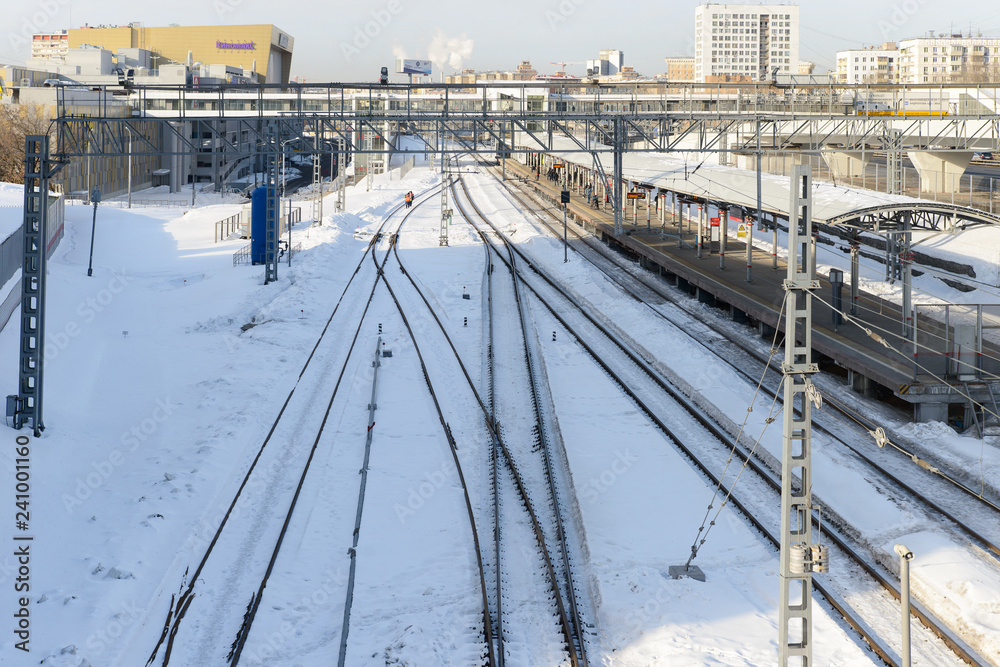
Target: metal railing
column 225, row 228
column 242, row 256
column 972, row 190
column 291, row 217
column 957, row 341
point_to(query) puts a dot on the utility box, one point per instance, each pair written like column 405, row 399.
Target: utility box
column 964, row 352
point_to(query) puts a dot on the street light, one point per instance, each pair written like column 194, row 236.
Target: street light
column 129, row 164
column 95, row 197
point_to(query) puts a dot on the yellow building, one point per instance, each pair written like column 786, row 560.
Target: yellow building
column 262, row 48
column 680, row 69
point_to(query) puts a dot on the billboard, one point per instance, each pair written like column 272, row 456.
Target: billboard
column 404, row 66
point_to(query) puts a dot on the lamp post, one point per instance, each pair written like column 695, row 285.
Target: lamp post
column 129, row 165
column 95, row 197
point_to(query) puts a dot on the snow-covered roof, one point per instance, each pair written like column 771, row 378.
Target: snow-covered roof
column 697, row 178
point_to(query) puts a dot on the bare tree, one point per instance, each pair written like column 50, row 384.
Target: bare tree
column 16, row 122
column 979, row 71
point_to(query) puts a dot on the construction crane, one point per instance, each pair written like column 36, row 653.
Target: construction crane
column 563, row 71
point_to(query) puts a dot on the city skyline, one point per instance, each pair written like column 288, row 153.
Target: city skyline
column 351, row 43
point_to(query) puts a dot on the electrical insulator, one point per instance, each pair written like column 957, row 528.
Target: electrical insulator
column 798, row 559
column 820, row 558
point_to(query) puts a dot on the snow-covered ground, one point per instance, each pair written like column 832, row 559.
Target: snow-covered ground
column 165, row 370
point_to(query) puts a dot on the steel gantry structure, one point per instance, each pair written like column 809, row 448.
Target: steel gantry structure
column 600, row 121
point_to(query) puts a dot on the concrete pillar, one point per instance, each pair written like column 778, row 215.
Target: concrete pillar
column 940, row 172
column 846, row 164
column 930, row 412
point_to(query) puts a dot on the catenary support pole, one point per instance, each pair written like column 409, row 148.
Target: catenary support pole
column 37, row 170
column 795, row 616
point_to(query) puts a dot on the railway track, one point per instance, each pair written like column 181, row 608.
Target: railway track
column 507, row 463
column 928, row 464
column 534, row 437
column 541, row 283
column 944, row 494
column 262, row 475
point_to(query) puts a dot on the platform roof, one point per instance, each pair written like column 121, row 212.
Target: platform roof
column 833, row 204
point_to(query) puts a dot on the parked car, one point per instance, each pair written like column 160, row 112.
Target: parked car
column 49, row 83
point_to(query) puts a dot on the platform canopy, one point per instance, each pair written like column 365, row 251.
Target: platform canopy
column 833, row 204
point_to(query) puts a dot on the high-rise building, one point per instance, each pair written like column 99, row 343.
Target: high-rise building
column 745, row 42
column 949, row 59
column 871, row 65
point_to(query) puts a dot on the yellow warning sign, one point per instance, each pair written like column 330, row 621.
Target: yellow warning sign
column 741, row 233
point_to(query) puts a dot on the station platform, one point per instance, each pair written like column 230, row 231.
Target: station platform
column 870, row 367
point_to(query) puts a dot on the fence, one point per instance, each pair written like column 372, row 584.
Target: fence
column 291, row 217
column 405, row 168
column 12, row 253
column 975, row 191
column 225, row 228
column 242, row 256
column 957, row 342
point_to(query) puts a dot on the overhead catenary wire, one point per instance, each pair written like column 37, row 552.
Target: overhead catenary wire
column 703, row 531
column 880, row 437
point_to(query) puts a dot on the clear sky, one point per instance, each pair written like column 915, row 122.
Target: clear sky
column 349, row 41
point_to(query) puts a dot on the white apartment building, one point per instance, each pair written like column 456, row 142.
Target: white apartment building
column 869, row 66
column 50, row 45
column 745, row 42
column 952, row 58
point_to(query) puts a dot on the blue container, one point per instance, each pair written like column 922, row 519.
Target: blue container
column 258, row 225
